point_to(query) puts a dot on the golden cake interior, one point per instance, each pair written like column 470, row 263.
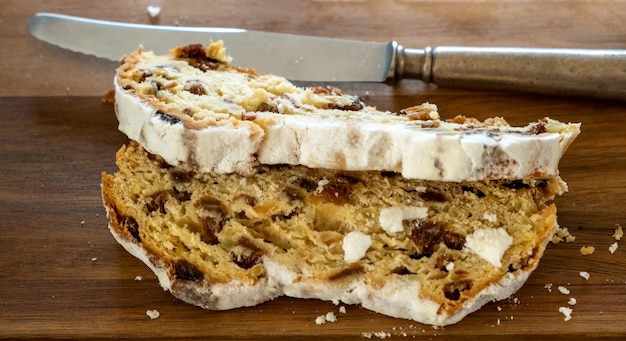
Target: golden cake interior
column 216, row 228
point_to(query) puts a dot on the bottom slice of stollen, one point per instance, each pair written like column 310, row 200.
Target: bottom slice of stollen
column 428, row 251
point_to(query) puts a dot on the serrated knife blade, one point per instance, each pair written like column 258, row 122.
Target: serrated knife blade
column 558, row 71
column 304, row 58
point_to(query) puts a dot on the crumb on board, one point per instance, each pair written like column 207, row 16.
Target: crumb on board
column 138, row 278
column 587, row 250
column 562, row 234
column 563, row 290
column 329, row 317
column 567, row 312
column 613, row 248
column 153, row 314
column 572, row 301
column 153, row 11
column 380, row 335
column 584, row 274
column 619, row 232
column 548, row 286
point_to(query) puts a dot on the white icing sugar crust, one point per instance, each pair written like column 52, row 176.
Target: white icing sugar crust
column 214, row 296
column 448, row 153
column 219, row 148
column 398, row 298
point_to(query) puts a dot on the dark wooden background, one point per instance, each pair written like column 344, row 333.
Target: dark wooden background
column 63, row 276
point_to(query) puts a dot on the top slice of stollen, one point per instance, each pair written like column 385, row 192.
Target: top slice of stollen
column 197, row 111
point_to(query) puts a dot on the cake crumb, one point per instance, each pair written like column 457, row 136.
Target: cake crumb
column 548, row 286
column 562, row 234
column 342, row 310
column 153, row 11
column 563, row 290
column 329, row 317
column 153, row 314
column 619, row 232
column 572, row 301
column 138, row 278
column 320, row 186
column 613, row 248
column 587, row 250
column 567, row 312
column 584, row 274
column 380, row 335
column 94, row 259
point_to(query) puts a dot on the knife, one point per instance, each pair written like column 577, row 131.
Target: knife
column 556, row 71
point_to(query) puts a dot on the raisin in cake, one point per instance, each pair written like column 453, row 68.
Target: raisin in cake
column 197, row 111
column 425, row 250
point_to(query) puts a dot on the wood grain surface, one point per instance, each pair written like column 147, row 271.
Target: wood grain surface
column 62, row 275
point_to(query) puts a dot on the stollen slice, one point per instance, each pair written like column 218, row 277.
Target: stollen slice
column 429, row 251
column 199, row 112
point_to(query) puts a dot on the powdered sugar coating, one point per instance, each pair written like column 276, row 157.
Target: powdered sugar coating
column 399, row 298
column 217, row 297
column 449, row 152
column 222, row 149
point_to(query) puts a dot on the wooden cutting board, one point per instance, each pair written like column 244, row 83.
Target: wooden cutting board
column 62, row 275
